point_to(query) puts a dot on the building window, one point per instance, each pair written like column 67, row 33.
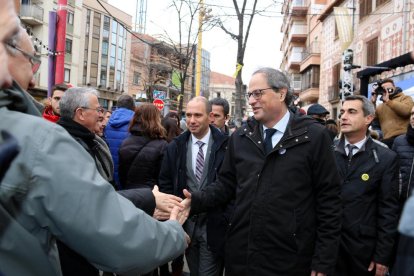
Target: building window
column 67, row 76
column 106, row 26
column 136, row 78
column 68, row 47
column 88, row 20
column 372, row 52
column 310, row 78
column 103, row 77
column 365, row 8
column 70, row 18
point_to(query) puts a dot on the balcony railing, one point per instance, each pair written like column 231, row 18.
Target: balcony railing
column 309, row 85
column 31, row 11
column 297, row 30
column 297, row 4
column 312, row 49
column 295, row 58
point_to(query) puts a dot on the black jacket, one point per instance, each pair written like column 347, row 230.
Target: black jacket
column 370, row 202
column 140, row 160
column 405, row 152
column 173, row 179
column 286, row 217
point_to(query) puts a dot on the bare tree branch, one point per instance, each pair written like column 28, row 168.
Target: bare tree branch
column 232, row 35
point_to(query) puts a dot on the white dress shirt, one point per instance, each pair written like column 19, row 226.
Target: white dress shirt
column 280, row 127
column 195, row 148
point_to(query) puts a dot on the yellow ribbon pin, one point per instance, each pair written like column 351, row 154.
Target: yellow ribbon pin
column 365, row 177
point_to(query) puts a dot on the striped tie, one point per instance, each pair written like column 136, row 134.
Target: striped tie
column 199, row 161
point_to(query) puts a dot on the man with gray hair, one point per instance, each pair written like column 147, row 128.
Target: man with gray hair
column 278, row 168
column 369, row 173
column 80, row 111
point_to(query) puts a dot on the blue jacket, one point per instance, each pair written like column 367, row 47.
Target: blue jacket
column 115, row 132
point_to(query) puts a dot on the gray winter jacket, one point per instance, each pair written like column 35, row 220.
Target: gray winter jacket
column 53, row 190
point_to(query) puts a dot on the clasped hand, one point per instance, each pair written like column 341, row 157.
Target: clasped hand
column 171, row 207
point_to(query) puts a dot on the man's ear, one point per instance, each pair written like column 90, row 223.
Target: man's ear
column 79, row 114
column 283, row 93
column 369, row 119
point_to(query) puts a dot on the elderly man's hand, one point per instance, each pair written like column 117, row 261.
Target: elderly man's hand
column 166, row 202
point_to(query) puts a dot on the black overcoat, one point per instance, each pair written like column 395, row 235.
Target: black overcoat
column 287, row 210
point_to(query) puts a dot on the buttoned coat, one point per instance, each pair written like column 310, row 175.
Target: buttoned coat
column 173, row 179
column 370, row 202
column 286, row 217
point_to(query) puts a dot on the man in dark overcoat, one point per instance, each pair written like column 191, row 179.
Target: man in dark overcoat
column 279, row 169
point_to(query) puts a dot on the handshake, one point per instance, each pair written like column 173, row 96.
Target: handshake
column 171, row 207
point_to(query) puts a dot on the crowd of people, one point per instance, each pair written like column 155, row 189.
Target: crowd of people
column 88, row 191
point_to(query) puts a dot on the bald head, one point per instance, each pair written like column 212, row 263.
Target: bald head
column 202, row 100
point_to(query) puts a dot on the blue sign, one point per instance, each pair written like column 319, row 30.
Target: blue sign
column 156, row 94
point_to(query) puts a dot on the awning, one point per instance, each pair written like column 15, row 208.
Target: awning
column 391, row 64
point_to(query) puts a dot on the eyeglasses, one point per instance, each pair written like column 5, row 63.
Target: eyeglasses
column 34, row 60
column 257, row 94
column 98, row 109
column 390, row 90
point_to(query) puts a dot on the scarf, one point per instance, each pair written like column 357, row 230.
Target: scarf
column 89, row 141
column 49, row 115
column 410, row 135
column 78, row 131
column 16, row 99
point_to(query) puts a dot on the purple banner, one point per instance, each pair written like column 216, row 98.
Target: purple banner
column 52, row 47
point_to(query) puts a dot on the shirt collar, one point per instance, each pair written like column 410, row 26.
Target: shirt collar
column 204, row 139
column 282, row 124
column 358, row 145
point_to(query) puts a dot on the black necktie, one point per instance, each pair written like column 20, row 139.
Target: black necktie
column 268, row 140
column 351, row 151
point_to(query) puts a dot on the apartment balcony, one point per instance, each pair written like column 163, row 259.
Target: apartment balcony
column 311, row 56
column 298, row 33
column 298, row 8
column 160, row 63
column 310, row 95
column 333, row 94
column 31, row 14
column 294, row 60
